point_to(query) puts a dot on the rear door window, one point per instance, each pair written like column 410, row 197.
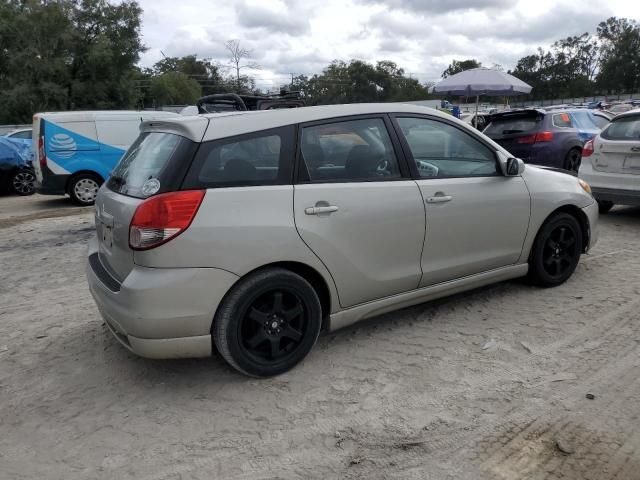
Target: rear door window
column 260, row 158
column 348, row 151
column 155, row 163
column 562, row 120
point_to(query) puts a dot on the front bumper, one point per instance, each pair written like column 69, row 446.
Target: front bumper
column 160, row 312
column 591, row 212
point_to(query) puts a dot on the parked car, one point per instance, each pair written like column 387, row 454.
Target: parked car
column 618, row 108
column 550, row 138
column 76, row 151
column 483, row 119
column 612, row 162
column 601, row 118
column 16, row 173
column 22, row 134
column 255, row 231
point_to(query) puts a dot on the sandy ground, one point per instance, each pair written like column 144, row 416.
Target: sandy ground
column 483, row 385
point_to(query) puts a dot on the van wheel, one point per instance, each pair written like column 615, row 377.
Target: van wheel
column 267, row 323
column 83, row 188
column 604, row 206
column 556, row 251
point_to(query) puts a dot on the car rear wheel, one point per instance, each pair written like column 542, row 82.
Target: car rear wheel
column 604, row 206
column 83, row 188
column 23, row 182
column 267, row 323
column 556, row 251
column 572, row 160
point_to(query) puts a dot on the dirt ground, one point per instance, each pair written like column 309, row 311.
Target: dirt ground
column 487, row 385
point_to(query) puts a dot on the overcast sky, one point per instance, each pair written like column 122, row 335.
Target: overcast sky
column 422, row 36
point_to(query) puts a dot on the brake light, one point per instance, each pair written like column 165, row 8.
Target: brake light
column 163, row 217
column 544, row 137
column 41, row 154
column 587, row 150
column 537, row 138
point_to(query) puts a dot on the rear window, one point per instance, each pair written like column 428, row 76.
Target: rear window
column 623, row 129
column 155, row 163
column 512, row 125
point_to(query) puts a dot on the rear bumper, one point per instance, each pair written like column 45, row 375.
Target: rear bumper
column 620, row 188
column 160, row 312
column 52, row 184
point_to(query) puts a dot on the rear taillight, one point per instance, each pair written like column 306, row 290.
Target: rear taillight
column 41, row 154
column 537, row 138
column 161, row 218
column 587, row 150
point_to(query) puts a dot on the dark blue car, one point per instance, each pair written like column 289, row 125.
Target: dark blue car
column 551, row 138
column 16, row 172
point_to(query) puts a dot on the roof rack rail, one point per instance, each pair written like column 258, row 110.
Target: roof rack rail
column 227, row 102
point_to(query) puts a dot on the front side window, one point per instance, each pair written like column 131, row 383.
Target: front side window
column 261, row 158
column 355, row 150
column 442, row 150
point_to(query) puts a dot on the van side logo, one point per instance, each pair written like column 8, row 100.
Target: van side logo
column 63, row 145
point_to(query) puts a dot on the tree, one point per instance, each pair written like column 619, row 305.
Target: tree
column 460, row 66
column 620, row 50
column 175, row 88
column 237, row 57
column 205, row 72
column 67, row 54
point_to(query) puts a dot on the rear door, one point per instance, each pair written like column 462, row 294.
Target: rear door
column 516, row 131
column 357, row 209
column 617, row 150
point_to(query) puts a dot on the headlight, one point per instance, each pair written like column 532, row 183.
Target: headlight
column 585, row 186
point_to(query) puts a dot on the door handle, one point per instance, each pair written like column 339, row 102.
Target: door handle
column 439, row 199
column 320, row 210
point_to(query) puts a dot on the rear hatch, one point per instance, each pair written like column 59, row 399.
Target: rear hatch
column 617, row 150
column 515, row 131
column 155, row 163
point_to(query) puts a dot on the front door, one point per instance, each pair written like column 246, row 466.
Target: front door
column 477, row 218
column 357, row 209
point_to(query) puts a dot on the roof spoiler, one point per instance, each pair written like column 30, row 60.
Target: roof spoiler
column 224, row 99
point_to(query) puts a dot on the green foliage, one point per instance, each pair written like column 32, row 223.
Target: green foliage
column 359, row 82
column 460, row 66
column 175, row 88
column 67, row 54
column 620, row 49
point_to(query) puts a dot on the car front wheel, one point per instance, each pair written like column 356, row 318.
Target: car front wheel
column 556, row 251
column 267, row 323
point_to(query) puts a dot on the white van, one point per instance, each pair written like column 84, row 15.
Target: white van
column 74, row 152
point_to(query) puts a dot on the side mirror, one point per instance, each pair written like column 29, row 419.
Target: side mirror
column 515, row 167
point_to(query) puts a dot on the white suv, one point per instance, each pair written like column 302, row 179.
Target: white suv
column 252, row 232
column 611, row 162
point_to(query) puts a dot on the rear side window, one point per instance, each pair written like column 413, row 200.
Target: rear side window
column 260, row 158
column 512, row 125
column 623, row 129
column 155, row 163
column 562, row 120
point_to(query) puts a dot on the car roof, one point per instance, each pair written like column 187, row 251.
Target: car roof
column 222, row 125
column 89, row 115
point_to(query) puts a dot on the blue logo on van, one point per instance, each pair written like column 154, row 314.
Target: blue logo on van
column 64, row 145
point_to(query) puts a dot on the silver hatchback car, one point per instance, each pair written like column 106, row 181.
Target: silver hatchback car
column 255, row 231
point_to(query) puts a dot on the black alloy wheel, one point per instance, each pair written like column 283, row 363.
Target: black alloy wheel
column 556, row 250
column 268, row 322
column 23, row 182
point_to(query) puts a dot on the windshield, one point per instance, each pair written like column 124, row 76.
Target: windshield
column 151, row 165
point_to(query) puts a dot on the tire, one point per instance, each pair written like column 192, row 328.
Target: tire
column 22, row 182
column 261, row 336
column 555, row 255
column 604, row 206
column 572, row 160
column 83, row 188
